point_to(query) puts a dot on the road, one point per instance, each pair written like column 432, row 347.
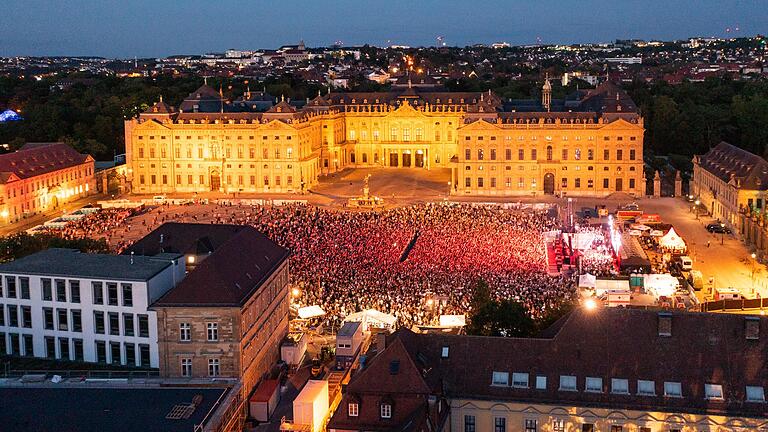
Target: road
column 38, row 219
column 730, row 263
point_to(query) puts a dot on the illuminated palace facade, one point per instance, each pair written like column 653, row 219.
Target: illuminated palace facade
column 590, row 144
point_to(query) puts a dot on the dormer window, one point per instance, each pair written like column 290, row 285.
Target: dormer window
column 386, row 410
column 755, row 394
column 713, row 391
column 520, row 380
column 444, row 352
column 594, row 385
column 353, row 409
column 673, row 389
column 646, row 388
column 500, row 379
column 567, row 383
column 619, row 386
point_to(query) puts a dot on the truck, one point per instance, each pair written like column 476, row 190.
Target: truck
column 311, row 405
column 696, row 279
column 686, row 263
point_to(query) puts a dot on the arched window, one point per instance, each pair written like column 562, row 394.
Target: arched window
column 549, row 153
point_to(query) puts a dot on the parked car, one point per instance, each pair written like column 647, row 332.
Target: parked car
column 719, row 229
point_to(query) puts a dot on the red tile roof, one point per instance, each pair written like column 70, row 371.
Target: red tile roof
column 35, row 159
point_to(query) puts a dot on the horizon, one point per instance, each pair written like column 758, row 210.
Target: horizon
column 145, row 29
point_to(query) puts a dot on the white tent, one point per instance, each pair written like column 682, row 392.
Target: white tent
column 660, row 285
column 587, row 281
column 672, row 241
column 640, row 227
column 310, row 312
column 372, row 318
column 453, row 321
column 635, row 233
column 657, row 233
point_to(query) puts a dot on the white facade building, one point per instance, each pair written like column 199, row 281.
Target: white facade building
column 63, row 304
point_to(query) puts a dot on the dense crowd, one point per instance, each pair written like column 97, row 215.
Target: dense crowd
column 415, row 262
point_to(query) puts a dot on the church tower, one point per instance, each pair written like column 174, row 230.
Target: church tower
column 546, row 94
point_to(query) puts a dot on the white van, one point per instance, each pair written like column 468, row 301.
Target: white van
column 686, row 263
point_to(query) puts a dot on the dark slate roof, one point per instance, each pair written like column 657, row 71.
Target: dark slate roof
column 206, row 98
column 726, row 160
column 606, row 343
column 35, row 159
column 102, row 409
column 184, row 238
column 73, row 263
column 238, row 267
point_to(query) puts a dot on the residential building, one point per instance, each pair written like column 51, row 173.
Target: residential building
column 67, row 305
column 588, row 144
column 730, row 182
column 42, row 176
column 229, row 315
column 657, row 371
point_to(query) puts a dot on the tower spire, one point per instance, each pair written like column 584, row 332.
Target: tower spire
column 546, row 94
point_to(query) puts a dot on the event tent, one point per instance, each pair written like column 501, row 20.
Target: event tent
column 453, row 321
column 587, row 281
column 311, row 312
column 672, row 241
column 372, row 318
column 660, row 285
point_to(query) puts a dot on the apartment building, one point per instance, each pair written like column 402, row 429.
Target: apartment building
column 656, row 372
column 67, row 305
column 229, row 315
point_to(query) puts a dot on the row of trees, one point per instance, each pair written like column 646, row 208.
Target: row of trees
column 681, row 120
column 22, row 244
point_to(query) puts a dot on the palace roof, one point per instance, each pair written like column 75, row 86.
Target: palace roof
column 727, row 161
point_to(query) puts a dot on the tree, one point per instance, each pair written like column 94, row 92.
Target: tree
column 501, row 318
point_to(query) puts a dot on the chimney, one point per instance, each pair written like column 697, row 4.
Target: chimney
column 752, row 328
column 161, row 238
column 131, row 257
column 665, row 324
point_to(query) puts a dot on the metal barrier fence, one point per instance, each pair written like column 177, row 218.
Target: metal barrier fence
column 741, row 304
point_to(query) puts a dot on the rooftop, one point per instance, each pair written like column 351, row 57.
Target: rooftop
column 35, row 159
column 100, row 409
column 692, row 349
column 240, row 259
column 73, row 263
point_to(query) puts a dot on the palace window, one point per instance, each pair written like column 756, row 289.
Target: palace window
column 353, row 409
column 632, row 154
column 480, row 154
column 533, row 154
column 549, row 153
column 619, row 154
column 590, row 154
column 212, row 331
column 467, row 154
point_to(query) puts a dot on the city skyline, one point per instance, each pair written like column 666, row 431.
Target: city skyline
column 146, row 29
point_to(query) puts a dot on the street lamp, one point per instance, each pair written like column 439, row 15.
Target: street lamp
column 697, row 208
column 722, row 233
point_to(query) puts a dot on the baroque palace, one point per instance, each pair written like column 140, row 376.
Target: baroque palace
column 589, row 144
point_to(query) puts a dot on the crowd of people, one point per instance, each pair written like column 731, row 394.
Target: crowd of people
column 416, row 262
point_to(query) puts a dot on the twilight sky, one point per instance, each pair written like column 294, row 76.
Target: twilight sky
column 157, row 28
